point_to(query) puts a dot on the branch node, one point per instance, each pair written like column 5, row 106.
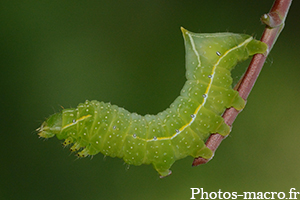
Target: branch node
column 272, row 20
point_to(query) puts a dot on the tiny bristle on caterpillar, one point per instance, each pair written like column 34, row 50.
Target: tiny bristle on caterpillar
column 174, row 133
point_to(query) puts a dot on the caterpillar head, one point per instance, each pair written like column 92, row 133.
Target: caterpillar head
column 51, row 126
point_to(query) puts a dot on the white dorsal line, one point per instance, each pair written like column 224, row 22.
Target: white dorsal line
column 208, row 88
column 78, row 120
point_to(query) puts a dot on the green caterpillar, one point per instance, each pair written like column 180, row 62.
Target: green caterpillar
column 174, row 133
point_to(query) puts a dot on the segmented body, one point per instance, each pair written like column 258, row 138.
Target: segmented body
column 175, row 133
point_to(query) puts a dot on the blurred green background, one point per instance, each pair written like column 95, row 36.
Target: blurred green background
column 131, row 53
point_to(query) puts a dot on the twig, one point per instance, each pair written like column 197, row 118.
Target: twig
column 274, row 21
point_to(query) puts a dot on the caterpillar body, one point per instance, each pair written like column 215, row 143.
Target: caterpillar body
column 178, row 131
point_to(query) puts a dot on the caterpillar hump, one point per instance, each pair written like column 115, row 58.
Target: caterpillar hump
column 174, row 133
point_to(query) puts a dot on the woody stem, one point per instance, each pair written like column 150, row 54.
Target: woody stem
column 274, row 21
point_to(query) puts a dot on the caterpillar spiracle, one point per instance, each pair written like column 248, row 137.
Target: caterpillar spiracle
column 178, row 131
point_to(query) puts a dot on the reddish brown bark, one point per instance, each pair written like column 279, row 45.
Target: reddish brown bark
column 274, row 21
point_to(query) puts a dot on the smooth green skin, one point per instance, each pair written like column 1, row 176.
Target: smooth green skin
column 178, row 131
